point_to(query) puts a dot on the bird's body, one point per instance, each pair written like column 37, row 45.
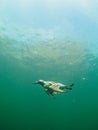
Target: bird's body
column 52, row 87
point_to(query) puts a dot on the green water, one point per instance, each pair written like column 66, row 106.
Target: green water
column 24, row 106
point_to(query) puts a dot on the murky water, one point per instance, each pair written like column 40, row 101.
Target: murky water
column 46, row 51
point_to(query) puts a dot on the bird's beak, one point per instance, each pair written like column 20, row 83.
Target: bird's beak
column 35, row 82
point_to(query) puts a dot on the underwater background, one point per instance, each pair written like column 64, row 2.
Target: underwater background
column 51, row 40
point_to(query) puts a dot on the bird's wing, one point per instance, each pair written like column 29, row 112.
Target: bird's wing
column 56, row 88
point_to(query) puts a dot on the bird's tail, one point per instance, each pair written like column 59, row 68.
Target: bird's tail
column 70, row 86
